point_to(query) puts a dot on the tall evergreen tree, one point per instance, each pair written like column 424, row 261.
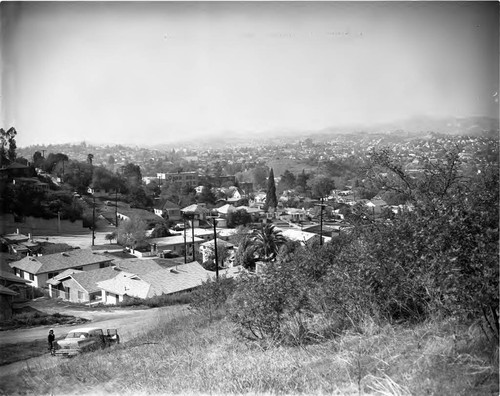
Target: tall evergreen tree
column 271, row 200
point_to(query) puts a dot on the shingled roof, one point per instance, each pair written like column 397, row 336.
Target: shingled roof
column 163, row 281
column 59, row 261
column 137, row 266
column 175, row 279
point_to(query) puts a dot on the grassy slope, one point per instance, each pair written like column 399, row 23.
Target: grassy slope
column 190, row 356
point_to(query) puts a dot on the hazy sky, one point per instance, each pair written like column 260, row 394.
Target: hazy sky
column 149, row 72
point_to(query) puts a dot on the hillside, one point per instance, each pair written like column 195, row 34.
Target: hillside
column 192, row 355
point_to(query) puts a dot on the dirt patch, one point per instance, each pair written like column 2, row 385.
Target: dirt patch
column 31, row 317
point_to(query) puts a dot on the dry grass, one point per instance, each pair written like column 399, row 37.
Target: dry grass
column 188, row 355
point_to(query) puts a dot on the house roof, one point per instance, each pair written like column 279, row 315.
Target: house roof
column 300, row 236
column 125, row 283
column 174, row 240
column 59, row 261
column 15, row 238
column 249, row 209
column 137, row 266
column 175, row 279
column 210, row 244
column 162, row 281
column 57, row 279
column 227, row 208
column 88, row 279
column 7, row 291
column 195, row 209
column 12, row 277
column 378, row 202
column 166, row 204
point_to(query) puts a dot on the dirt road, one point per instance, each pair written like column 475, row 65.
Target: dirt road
column 130, row 324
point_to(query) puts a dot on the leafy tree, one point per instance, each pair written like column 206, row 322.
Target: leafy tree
column 207, row 196
column 11, row 138
column 38, row 159
column 238, row 218
column 259, row 175
column 52, row 160
column 302, row 179
column 161, row 230
column 79, row 176
column 111, row 236
column 287, row 181
column 138, row 198
column 321, row 186
column 245, row 254
column 106, row 180
column 132, row 174
column 271, row 200
column 132, row 232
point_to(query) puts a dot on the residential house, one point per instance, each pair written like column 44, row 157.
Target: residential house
column 33, row 182
column 6, row 302
column 82, row 286
column 167, row 209
column 235, row 196
column 195, row 213
column 376, row 205
column 294, row 215
column 259, row 200
column 177, row 244
column 305, row 238
column 41, row 268
column 16, row 284
column 79, row 286
column 20, row 244
column 164, row 281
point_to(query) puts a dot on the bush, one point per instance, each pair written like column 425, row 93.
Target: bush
column 211, row 297
column 162, row 300
column 263, row 304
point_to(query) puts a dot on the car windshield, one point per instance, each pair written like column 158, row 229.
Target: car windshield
column 77, row 334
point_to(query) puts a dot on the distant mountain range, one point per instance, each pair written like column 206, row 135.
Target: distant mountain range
column 472, row 126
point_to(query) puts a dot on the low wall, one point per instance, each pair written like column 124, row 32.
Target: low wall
column 39, row 226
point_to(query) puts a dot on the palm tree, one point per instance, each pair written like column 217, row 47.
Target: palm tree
column 267, row 242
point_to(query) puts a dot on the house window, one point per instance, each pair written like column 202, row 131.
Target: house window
column 32, row 277
column 21, row 273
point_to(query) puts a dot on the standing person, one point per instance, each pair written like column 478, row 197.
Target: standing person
column 51, row 338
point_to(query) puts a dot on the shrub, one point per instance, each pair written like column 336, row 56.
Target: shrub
column 211, row 296
column 262, row 304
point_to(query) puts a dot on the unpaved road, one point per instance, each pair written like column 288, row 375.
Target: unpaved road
column 130, row 324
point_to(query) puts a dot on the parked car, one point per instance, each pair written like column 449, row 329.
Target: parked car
column 85, row 340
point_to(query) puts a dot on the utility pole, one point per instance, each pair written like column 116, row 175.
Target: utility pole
column 185, row 245
column 192, row 236
column 116, row 208
column 322, row 205
column 214, row 222
column 215, row 249
column 93, row 220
